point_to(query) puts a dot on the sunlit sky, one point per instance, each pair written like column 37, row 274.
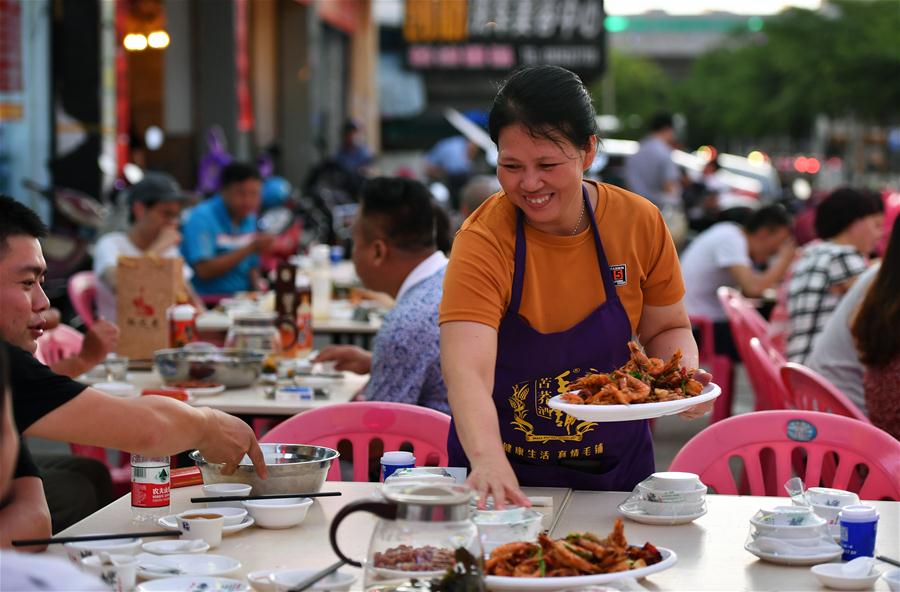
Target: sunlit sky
column 616, row 7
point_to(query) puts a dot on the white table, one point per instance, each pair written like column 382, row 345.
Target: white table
column 710, row 550
column 302, row 547
column 252, row 400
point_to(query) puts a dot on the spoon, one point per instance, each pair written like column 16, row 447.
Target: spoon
column 858, row 568
column 795, row 489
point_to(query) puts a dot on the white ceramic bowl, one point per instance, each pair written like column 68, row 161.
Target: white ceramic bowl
column 78, row 551
column 835, row 498
column 892, row 578
column 496, row 527
column 673, row 481
column 654, row 494
column 789, row 522
column 278, row 513
column 223, row 489
column 338, row 581
column 832, row 576
column 670, row 508
column 231, row 515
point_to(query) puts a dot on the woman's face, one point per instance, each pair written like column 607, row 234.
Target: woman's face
column 543, row 177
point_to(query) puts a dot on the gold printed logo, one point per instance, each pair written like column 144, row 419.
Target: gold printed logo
column 567, row 428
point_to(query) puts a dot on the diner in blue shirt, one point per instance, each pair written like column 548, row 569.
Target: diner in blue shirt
column 221, row 242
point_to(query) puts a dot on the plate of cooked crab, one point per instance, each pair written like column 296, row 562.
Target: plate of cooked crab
column 643, row 388
column 577, row 560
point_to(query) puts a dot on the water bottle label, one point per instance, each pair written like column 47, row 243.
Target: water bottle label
column 150, row 486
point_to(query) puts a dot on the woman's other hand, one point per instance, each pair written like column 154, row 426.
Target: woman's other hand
column 496, row 478
column 703, row 377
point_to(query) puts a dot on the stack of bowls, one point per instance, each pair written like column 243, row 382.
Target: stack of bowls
column 827, row 503
column 791, row 534
column 671, row 494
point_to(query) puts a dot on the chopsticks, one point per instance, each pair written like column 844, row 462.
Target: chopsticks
column 887, row 560
column 96, row 537
column 241, row 498
column 311, row 580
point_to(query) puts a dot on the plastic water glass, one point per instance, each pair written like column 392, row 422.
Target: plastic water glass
column 391, row 461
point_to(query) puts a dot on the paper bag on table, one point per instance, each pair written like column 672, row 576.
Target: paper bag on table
column 145, row 288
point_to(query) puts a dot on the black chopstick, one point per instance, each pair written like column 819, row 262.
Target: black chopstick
column 241, row 498
column 887, row 560
column 311, row 580
column 96, row 537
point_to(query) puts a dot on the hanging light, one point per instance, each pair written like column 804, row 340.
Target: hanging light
column 135, row 42
column 158, row 39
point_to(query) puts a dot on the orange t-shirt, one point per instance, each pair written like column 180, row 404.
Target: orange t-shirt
column 562, row 284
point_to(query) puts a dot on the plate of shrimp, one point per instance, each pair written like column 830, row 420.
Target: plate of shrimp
column 643, row 388
column 577, row 560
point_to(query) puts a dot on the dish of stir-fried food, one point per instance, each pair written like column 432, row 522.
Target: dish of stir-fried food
column 640, row 380
column 579, row 554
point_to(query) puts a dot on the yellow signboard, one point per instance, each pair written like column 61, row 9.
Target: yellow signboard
column 430, row 21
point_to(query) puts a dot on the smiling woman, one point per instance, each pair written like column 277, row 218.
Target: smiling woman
column 533, row 299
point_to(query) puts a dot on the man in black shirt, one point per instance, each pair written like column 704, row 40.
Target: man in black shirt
column 49, row 405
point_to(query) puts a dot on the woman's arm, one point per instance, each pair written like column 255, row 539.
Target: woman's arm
column 662, row 330
column 468, row 357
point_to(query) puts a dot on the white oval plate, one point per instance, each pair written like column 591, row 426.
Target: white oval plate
column 793, row 559
column 175, row 547
column 171, row 523
column 189, row 564
column 604, row 413
column 193, row 584
column 498, row 583
column 632, row 511
column 205, row 391
column 264, row 580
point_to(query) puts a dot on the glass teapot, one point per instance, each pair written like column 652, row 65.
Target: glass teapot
column 424, row 540
column 255, row 331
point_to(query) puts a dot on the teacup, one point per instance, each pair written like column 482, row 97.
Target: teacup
column 225, row 489
column 833, row 498
column 120, row 575
column 197, row 524
column 672, row 481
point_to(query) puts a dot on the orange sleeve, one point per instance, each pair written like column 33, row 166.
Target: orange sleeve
column 663, row 284
column 477, row 282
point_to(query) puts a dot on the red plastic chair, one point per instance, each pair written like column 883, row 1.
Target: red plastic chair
column 864, row 458
column 719, row 365
column 63, row 342
column 767, row 363
column 60, row 342
column 82, row 288
column 807, row 389
column 363, row 422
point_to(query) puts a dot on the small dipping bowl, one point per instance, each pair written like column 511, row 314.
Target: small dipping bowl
column 832, row 576
column 232, row 516
column 655, row 494
column 789, row 522
column 225, row 489
column 278, row 513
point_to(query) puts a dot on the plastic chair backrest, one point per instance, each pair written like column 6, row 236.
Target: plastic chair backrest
column 82, row 289
column 767, row 364
column 809, row 390
column 823, row 449
column 58, row 343
column 363, row 422
column 707, row 346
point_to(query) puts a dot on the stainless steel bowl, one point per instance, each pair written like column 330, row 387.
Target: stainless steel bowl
column 229, row 367
column 293, row 468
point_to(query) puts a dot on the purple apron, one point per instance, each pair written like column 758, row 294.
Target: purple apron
column 544, row 446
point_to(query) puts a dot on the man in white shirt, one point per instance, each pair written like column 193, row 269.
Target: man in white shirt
column 395, row 252
column 725, row 254
column 156, row 204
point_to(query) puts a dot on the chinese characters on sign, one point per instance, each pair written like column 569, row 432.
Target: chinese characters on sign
column 470, row 35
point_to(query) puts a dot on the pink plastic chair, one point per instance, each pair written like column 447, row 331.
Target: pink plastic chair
column 864, row 458
column 82, row 288
column 719, row 365
column 807, row 389
column 363, row 422
column 58, row 343
column 767, row 364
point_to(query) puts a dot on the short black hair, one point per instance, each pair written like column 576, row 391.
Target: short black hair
column 17, row 219
column 771, row 217
column 842, row 208
column 238, row 172
column 548, row 101
column 402, row 209
column 660, row 121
